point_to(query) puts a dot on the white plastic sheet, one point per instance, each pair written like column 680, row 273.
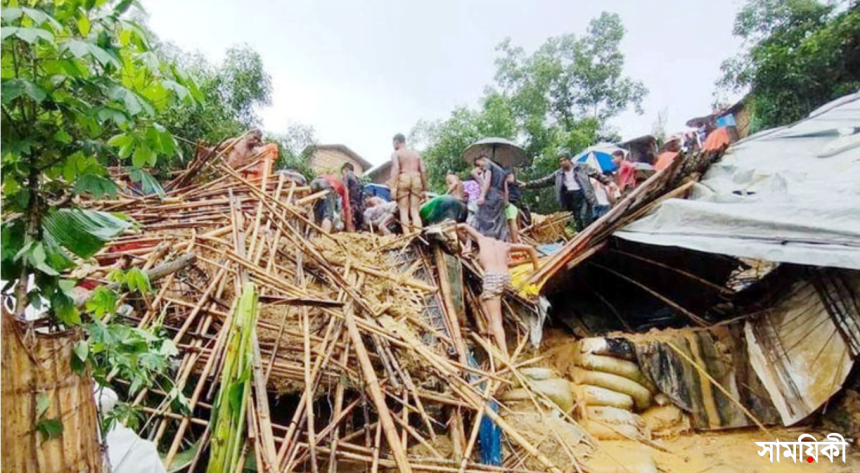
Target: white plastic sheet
column 789, row 195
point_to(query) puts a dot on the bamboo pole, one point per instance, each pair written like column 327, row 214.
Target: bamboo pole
column 375, row 392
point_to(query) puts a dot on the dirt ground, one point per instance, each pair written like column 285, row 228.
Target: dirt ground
column 729, row 452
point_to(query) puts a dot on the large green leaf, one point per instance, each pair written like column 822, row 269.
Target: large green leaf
column 29, row 35
column 81, row 231
column 14, row 88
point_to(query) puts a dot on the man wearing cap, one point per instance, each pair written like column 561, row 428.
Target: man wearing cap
column 573, row 189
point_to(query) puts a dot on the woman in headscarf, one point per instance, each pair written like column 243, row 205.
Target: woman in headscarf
column 490, row 219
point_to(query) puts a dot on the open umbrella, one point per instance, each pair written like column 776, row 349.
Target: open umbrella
column 505, row 153
column 599, row 156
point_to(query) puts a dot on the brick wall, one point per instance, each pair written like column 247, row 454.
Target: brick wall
column 329, row 161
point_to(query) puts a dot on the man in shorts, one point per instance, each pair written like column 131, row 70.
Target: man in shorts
column 493, row 256
column 408, row 183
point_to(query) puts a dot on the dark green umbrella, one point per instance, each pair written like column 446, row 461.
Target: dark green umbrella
column 504, row 152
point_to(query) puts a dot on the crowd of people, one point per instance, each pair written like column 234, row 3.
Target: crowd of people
column 487, row 205
column 489, row 199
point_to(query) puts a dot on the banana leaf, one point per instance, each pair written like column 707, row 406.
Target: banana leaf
column 229, row 419
column 82, row 232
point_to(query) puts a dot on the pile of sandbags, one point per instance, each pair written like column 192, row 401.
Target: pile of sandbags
column 614, row 398
column 544, row 381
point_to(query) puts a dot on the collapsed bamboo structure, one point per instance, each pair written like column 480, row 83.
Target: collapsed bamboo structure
column 363, row 351
column 364, row 338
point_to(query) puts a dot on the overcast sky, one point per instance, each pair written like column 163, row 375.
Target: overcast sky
column 361, row 71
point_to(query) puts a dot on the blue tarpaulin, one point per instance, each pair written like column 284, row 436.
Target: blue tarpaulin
column 378, row 191
column 490, row 435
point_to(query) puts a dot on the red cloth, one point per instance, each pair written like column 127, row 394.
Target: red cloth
column 664, row 159
column 341, row 190
column 717, row 140
column 626, row 175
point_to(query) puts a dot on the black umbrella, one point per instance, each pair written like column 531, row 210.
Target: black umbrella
column 504, row 152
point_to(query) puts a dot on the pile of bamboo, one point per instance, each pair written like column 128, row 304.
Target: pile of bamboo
column 361, row 353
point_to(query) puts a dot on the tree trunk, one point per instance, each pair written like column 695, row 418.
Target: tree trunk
column 36, row 369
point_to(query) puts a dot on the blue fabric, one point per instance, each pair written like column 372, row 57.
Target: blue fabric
column 491, row 439
column 379, row 191
column 726, row 120
column 603, row 159
column 490, row 435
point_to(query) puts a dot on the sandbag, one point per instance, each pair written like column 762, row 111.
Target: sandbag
column 605, row 431
column 665, row 421
column 614, row 416
column 556, row 389
column 597, row 396
column 538, row 373
column 640, row 394
column 608, row 364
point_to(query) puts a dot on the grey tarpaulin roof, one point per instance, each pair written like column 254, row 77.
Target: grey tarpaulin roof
column 790, row 194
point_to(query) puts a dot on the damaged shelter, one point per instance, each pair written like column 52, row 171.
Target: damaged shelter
column 738, row 296
column 721, row 293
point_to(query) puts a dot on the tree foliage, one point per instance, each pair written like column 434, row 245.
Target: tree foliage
column 799, row 54
column 230, row 94
column 560, row 96
column 81, row 89
column 295, row 148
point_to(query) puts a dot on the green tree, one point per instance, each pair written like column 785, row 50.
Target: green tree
column 295, row 148
column 798, row 55
column 81, row 89
column 444, row 141
column 560, row 96
column 229, row 95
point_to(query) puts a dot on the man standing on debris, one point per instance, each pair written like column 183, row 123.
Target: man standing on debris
column 493, row 256
column 572, row 188
column 408, row 183
column 356, row 196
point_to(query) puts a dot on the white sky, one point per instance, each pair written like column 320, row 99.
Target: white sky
column 361, row 71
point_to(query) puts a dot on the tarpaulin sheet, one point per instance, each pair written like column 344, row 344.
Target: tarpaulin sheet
column 790, row 195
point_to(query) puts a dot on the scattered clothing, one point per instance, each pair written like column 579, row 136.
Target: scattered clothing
column 490, row 217
column 444, row 207
column 495, row 284
column 377, row 214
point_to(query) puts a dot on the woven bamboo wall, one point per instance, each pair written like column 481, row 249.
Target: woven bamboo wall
column 39, row 365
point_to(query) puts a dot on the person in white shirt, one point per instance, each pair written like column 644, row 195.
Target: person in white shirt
column 573, row 188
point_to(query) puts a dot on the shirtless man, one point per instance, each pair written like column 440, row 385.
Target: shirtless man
column 408, row 183
column 455, row 186
column 241, row 153
column 251, row 148
column 493, row 255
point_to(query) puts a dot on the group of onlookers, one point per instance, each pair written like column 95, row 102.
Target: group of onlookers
column 489, row 199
